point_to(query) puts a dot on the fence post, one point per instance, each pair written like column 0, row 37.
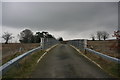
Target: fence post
column 42, row 43
column 85, row 45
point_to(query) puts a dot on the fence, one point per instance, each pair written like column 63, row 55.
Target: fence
column 48, row 42
column 82, row 46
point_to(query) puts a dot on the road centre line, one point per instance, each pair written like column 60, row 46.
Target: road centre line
column 45, row 53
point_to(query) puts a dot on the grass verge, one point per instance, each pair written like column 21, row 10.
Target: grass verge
column 8, row 58
column 108, row 66
column 25, row 67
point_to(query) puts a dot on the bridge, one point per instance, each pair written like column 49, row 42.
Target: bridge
column 63, row 60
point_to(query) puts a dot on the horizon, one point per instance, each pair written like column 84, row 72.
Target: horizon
column 61, row 19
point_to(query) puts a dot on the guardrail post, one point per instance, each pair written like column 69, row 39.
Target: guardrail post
column 85, row 45
column 42, row 43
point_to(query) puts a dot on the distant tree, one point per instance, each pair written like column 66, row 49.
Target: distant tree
column 93, row 37
column 49, row 36
column 60, row 39
column 32, row 40
column 26, row 36
column 99, row 35
column 7, row 36
column 38, row 35
column 117, row 34
column 44, row 34
column 105, row 35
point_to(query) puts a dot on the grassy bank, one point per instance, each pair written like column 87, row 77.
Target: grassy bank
column 108, row 66
column 107, row 47
column 8, row 58
column 12, row 50
column 25, row 67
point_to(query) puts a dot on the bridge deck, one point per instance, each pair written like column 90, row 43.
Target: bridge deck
column 64, row 62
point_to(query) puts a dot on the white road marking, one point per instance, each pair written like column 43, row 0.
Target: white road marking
column 90, row 59
column 45, row 53
column 87, row 57
column 41, row 57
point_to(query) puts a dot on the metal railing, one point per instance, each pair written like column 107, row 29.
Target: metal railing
column 5, row 67
column 113, row 59
column 82, row 46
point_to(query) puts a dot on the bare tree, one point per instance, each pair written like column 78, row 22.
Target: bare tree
column 105, row 35
column 92, row 36
column 7, row 36
column 99, row 35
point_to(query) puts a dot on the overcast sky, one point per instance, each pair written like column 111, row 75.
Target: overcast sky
column 70, row 20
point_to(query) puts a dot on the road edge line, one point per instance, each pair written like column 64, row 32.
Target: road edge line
column 47, row 50
column 90, row 60
column 86, row 56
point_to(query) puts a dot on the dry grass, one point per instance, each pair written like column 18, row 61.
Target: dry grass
column 108, row 66
column 108, row 48
column 105, row 47
column 11, row 50
column 25, row 67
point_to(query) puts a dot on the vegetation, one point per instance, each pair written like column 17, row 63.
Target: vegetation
column 26, row 36
column 109, row 67
column 7, row 36
column 93, row 37
column 13, row 50
column 25, row 67
column 105, row 35
column 39, row 35
column 60, row 39
column 107, row 47
column 11, row 57
column 100, row 35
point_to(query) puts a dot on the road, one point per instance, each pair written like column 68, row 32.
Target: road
column 65, row 62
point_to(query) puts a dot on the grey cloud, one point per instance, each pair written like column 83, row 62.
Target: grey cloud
column 69, row 17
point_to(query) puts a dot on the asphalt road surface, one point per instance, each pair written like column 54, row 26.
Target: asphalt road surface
column 63, row 61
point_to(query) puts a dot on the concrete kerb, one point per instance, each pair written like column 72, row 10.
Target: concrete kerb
column 90, row 59
column 46, row 53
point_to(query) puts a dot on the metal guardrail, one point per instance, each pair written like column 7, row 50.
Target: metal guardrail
column 4, row 68
column 83, row 46
column 47, row 44
column 103, row 55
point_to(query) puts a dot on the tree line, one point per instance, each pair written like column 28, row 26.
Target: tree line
column 100, row 35
column 27, row 36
